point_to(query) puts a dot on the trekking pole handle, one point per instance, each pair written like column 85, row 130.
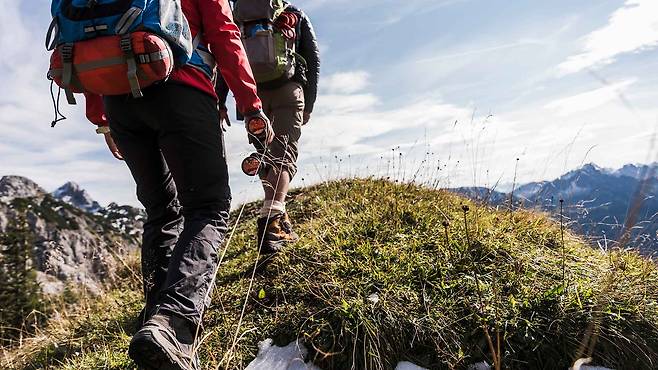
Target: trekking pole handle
column 256, row 126
column 259, row 129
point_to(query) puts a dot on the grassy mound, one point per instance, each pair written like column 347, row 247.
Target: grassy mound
column 389, row 272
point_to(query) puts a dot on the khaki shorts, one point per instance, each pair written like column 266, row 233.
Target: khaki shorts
column 285, row 107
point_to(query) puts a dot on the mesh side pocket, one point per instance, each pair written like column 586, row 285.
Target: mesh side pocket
column 174, row 28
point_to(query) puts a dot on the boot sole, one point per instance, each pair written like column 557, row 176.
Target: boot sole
column 276, row 246
column 271, row 247
column 148, row 354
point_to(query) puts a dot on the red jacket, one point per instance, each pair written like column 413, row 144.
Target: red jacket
column 214, row 19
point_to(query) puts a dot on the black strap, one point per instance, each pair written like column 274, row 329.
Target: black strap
column 300, row 59
column 58, row 114
column 52, row 35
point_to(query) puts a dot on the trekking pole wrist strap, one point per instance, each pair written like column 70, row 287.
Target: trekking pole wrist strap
column 102, row 130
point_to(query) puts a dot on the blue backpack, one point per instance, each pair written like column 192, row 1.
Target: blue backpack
column 80, row 21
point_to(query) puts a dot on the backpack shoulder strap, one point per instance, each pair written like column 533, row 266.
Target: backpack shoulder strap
column 52, row 35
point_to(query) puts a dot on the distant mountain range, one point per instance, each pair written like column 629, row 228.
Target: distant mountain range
column 602, row 204
column 73, row 241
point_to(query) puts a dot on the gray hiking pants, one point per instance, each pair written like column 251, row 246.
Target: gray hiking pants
column 173, row 145
column 285, row 107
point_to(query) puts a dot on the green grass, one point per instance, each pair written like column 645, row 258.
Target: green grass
column 436, row 295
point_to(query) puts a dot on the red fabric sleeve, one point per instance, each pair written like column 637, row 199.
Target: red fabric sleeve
column 95, row 110
column 223, row 36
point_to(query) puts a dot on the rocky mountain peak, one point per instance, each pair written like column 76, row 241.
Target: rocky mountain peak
column 588, row 169
column 639, row 172
column 592, row 168
column 74, row 195
column 12, row 187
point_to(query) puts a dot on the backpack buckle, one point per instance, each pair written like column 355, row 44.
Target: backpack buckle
column 144, row 58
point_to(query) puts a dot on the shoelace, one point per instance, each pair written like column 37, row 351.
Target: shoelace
column 286, row 226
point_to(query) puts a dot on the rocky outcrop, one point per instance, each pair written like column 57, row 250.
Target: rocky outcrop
column 75, row 242
column 12, row 187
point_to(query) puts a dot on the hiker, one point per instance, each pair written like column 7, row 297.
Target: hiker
column 170, row 137
column 283, row 52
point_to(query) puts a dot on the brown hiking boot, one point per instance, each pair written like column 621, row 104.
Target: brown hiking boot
column 165, row 343
column 274, row 233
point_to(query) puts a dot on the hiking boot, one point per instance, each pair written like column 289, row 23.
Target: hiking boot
column 165, row 343
column 275, row 233
column 144, row 316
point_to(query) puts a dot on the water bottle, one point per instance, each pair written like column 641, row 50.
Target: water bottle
column 258, row 29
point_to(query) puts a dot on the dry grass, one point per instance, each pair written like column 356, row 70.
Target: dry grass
column 377, row 279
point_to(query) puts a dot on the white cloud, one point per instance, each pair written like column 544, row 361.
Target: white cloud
column 346, row 82
column 28, row 145
column 401, row 7
column 345, row 103
column 631, row 28
column 476, row 52
column 588, row 100
column 357, row 116
column 469, row 146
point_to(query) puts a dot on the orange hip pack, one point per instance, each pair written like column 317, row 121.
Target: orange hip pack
column 112, row 65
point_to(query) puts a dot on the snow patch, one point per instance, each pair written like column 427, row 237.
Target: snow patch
column 408, row 366
column 290, row 357
column 486, row 366
column 581, row 364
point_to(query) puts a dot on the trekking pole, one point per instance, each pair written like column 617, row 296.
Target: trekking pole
column 256, row 128
column 251, row 165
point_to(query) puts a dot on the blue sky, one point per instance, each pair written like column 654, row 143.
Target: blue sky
column 474, row 83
